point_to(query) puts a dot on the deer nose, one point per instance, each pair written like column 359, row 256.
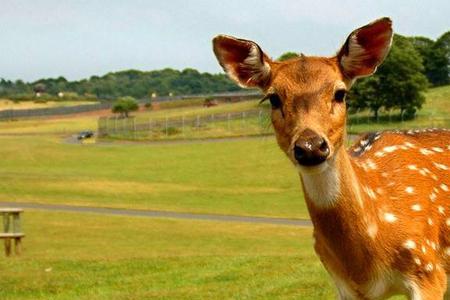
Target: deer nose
column 311, row 149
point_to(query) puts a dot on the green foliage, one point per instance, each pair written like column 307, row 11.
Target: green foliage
column 398, row 82
column 124, row 106
column 287, row 56
column 435, row 57
column 137, row 84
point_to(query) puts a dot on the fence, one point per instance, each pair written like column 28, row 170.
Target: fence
column 12, row 114
column 232, row 124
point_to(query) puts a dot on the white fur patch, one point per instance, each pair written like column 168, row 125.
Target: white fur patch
column 389, row 217
column 322, row 184
column 253, row 63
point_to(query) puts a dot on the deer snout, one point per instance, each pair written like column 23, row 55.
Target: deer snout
column 311, row 149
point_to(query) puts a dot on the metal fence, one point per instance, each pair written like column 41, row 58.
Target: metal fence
column 228, row 124
column 12, row 114
column 231, row 124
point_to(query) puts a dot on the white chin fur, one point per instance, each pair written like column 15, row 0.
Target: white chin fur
column 322, row 184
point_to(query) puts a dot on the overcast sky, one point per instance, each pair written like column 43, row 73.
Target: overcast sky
column 77, row 39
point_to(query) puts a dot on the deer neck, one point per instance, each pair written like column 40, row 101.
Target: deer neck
column 344, row 224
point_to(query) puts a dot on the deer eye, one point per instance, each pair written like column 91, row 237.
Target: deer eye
column 339, row 95
column 275, row 101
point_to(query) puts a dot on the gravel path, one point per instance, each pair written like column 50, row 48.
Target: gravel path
column 159, row 214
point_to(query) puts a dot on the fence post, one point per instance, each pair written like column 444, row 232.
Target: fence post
column 106, row 126
column 115, row 124
column 150, row 132
column 167, row 129
column 134, row 127
column 228, row 121
column 182, row 126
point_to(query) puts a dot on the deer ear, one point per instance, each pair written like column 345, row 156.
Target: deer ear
column 365, row 48
column 242, row 60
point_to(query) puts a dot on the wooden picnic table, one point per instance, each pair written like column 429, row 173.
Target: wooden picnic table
column 12, row 229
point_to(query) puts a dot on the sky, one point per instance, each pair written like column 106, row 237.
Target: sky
column 78, row 39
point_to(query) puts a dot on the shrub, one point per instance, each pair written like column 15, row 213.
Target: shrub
column 124, row 106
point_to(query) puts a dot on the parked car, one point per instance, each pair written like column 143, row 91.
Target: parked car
column 85, row 135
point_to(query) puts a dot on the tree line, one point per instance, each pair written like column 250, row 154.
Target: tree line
column 133, row 83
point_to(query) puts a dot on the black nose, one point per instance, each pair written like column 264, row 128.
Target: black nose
column 311, row 149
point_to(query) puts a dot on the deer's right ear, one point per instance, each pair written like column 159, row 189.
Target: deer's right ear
column 242, row 60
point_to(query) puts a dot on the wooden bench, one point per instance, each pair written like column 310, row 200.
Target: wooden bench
column 12, row 229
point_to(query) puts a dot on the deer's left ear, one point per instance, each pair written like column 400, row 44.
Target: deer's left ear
column 242, row 60
column 365, row 48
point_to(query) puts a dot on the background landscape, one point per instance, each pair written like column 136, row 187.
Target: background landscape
column 193, row 144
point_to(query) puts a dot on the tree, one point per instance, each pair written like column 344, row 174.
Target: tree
column 124, row 106
column 287, row 55
column 434, row 58
column 398, row 82
column 442, row 47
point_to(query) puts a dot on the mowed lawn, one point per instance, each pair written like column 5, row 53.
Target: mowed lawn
column 93, row 257
column 247, row 177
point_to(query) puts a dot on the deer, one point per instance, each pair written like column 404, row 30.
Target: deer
column 381, row 208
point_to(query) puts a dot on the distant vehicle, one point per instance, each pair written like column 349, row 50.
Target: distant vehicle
column 85, row 135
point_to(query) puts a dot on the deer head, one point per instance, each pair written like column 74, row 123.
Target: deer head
column 307, row 93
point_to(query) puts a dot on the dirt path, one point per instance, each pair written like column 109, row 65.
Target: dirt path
column 158, row 214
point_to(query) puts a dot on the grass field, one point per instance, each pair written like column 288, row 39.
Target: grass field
column 75, row 256
column 222, row 178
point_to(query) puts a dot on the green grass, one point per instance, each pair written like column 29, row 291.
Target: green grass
column 77, row 256
column 249, row 177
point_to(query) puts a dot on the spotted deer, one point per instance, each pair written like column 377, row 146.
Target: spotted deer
column 381, row 209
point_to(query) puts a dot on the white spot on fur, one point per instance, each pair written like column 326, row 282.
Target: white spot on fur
column 416, row 207
column 425, row 151
column 429, row 267
column 389, row 217
column 447, row 222
column 433, row 245
column 432, row 197
column 370, row 192
column 390, row 149
column 424, row 250
column 379, row 154
column 429, row 221
column 409, row 190
column 441, row 166
column 412, row 167
column 437, row 149
column 441, row 209
column 409, row 244
column 444, row 187
column 417, row 261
